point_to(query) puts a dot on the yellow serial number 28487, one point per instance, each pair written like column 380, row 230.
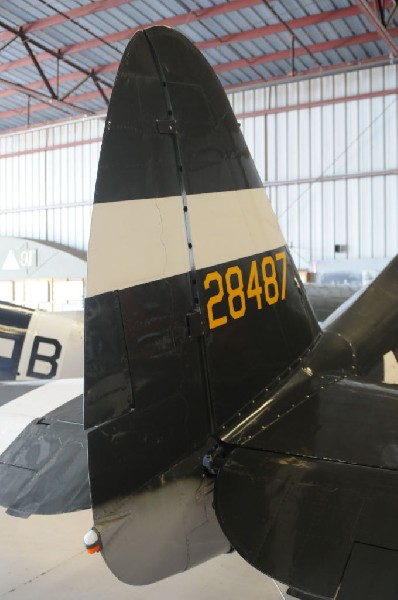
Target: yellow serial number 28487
column 237, row 293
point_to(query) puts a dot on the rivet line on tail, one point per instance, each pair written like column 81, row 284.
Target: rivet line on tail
column 170, row 126
column 194, row 329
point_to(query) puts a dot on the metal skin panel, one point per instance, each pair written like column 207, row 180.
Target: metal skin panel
column 302, row 515
column 155, row 325
column 344, row 420
column 371, row 573
column 44, row 471
column 127, row 452
column 326, row 299
column 106, row 370
column 246, row 353
column 326, row 362
column 148, row 169
column 214, row 155
column 165, row 527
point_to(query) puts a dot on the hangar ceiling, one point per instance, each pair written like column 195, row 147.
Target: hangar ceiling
column 58, row 58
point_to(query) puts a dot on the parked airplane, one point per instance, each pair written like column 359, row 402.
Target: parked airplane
column 326, row 298
column 218, row 412
column 35, row 344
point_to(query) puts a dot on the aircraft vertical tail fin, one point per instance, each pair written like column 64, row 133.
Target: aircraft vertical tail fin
column 194, row 304
column 179, row 205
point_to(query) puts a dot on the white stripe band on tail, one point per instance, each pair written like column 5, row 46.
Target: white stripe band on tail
column 139, row 241
column 227, row 226
column 134, row 242
column 17, row 414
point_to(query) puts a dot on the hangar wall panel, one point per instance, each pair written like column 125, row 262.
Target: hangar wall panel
column 327, row 151
column 47, row 179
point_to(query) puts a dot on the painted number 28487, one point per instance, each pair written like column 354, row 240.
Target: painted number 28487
column 231, row 283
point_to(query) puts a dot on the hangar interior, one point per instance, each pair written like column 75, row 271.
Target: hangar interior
column 313, row 84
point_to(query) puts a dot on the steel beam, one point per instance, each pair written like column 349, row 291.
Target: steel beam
column 214, row 11
column 101, row 91
column 345, row 67
column 285, row 54
column 68, row 77
column 195, row 16
column 54, row 102
column 392, row 13
column 100, row 5
column 48, row 53
column 383, row 33
column 266, row 30
column 38, row 67
column 76, row 87
column 75, row 13
column 37, row 107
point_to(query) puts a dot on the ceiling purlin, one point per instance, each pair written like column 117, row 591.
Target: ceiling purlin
column 75, row 13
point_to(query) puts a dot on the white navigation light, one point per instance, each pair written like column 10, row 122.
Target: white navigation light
column 92, row 541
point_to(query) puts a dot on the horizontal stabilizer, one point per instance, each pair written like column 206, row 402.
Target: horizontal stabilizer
column 298, row 519
column 303, row 493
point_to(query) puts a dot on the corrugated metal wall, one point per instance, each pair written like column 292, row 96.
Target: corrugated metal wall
column 47, row 179
column 326, row 149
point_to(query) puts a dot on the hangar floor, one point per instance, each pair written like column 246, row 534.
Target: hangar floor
column 42, row 557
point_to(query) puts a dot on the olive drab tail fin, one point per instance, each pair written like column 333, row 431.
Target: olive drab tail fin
column 193, row 302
